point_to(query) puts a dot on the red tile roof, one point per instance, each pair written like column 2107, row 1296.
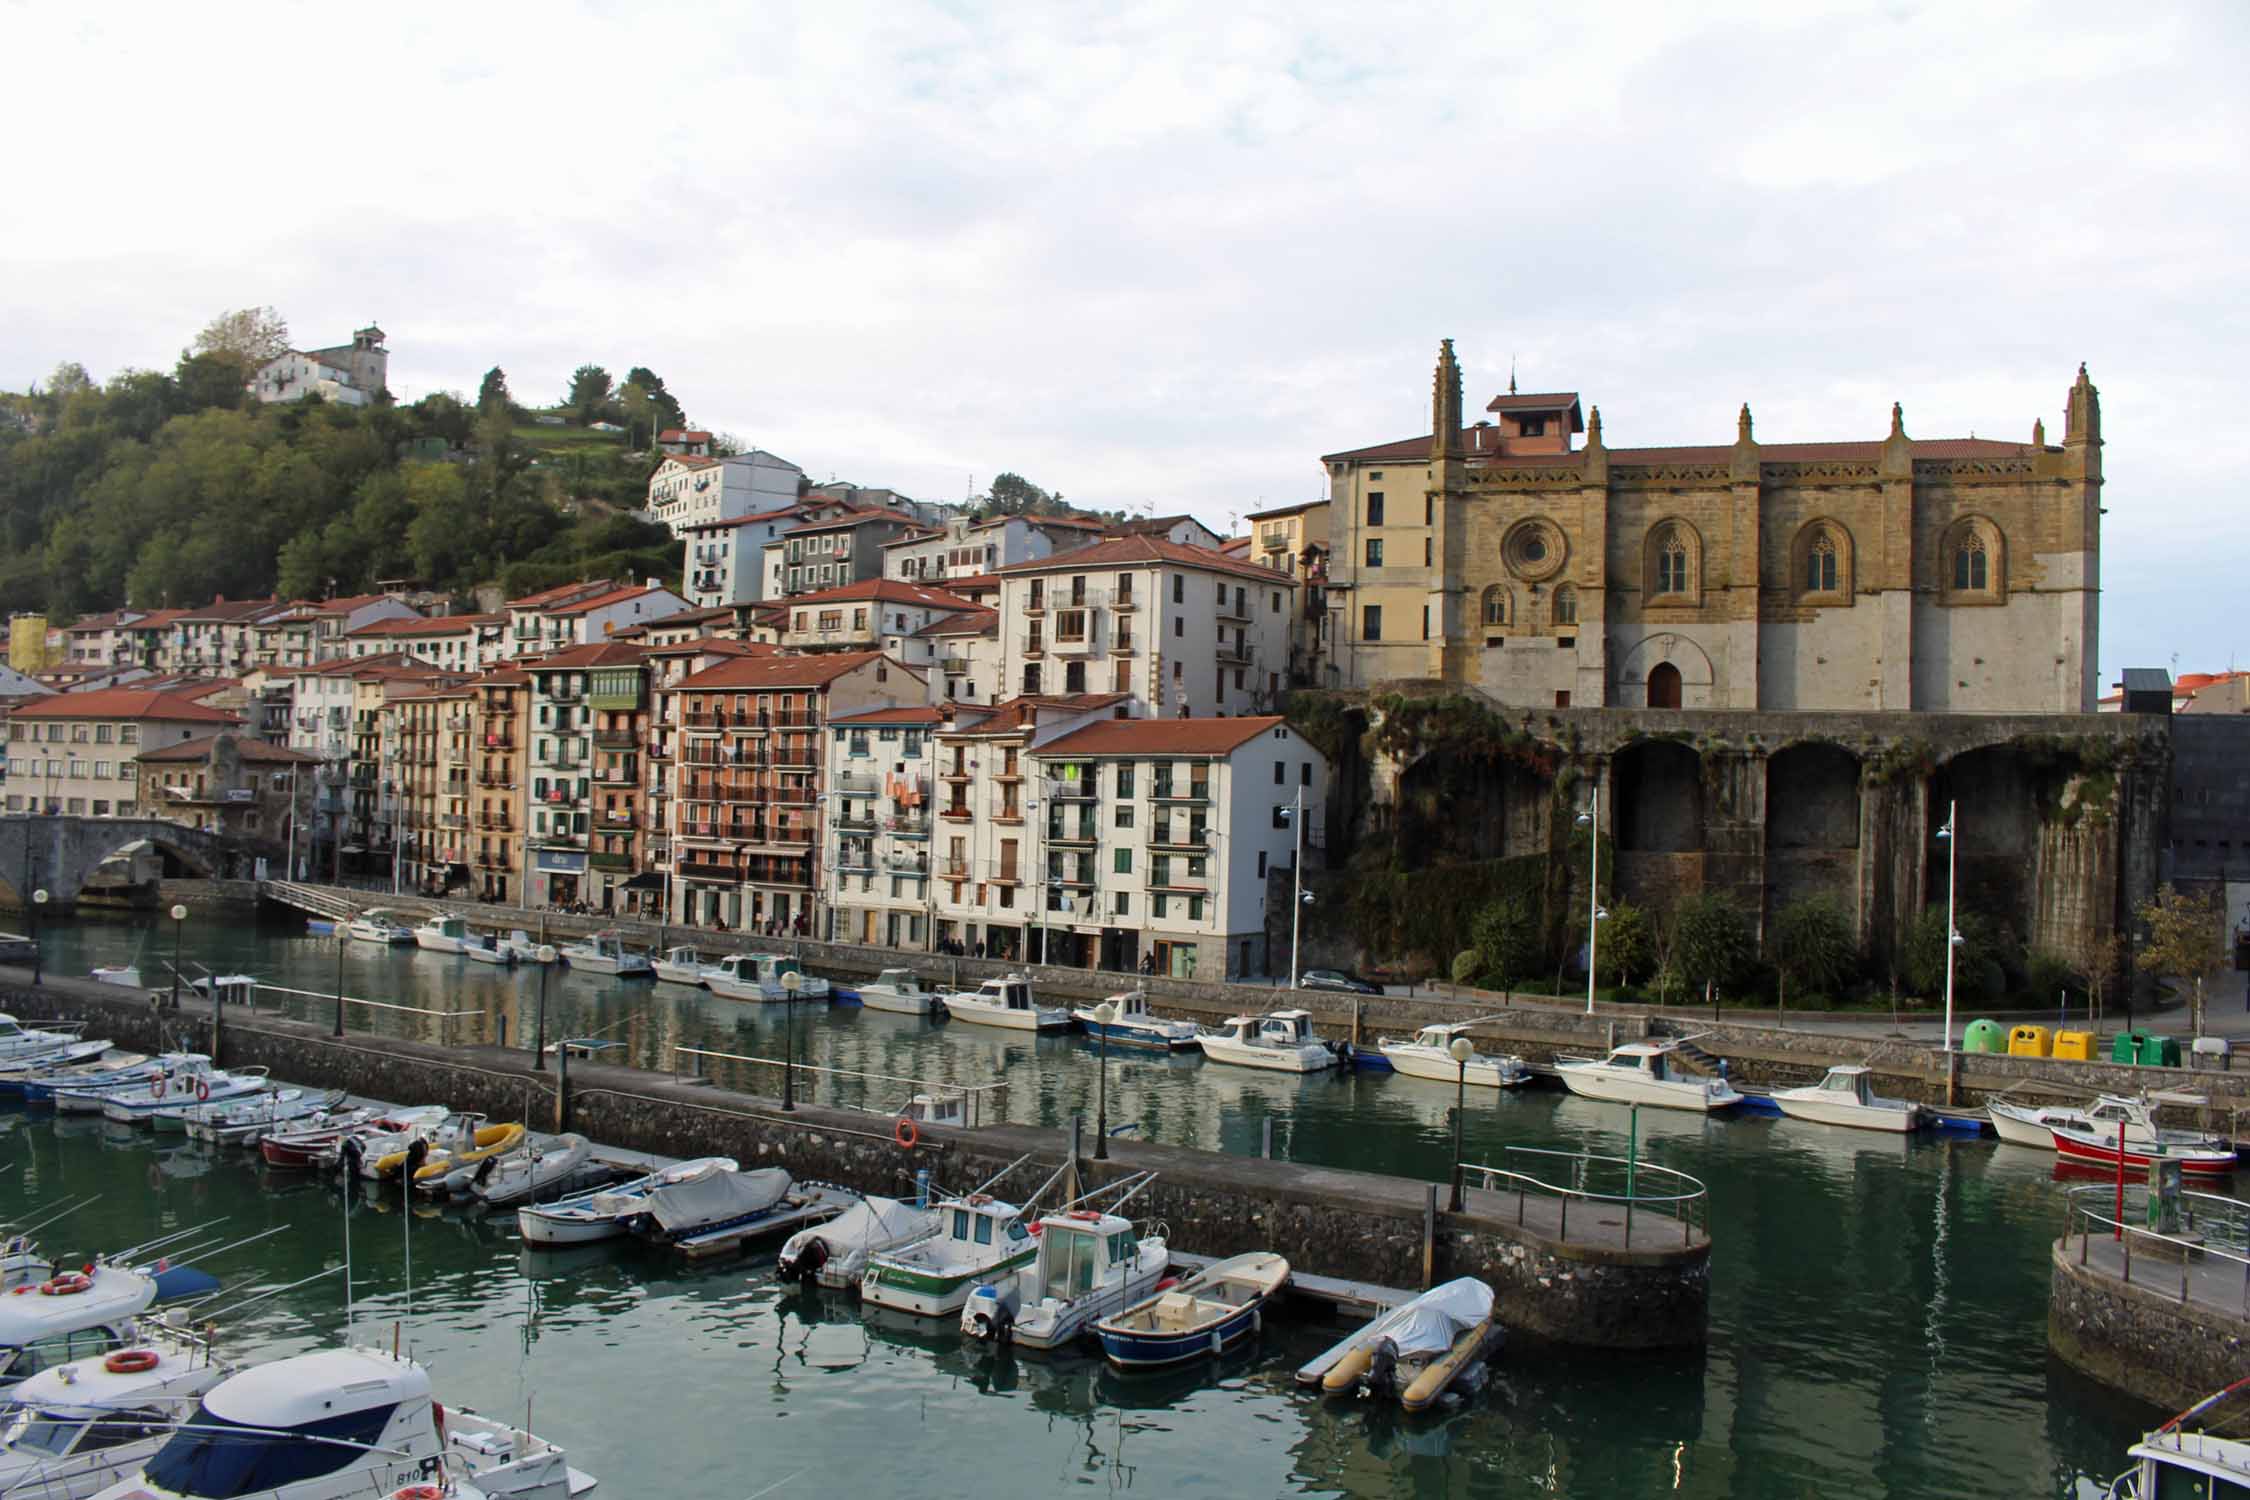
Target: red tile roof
column 907, row 714
column 600, row 654
column 351, row 602
column 978, row 621
column 885, row 591
column 562, row 593
column 124, row 703
column 682, row 435
column 223, row 610
column 763, row 673
column 254, row 751
column 422, row 625
column 614, row 596
column 108, row 619
column 156, row 619
column 714, row 645
column 1019, row 714
column 1135, row 551
column 1162, row 736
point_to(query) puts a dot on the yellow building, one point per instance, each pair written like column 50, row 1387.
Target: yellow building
column 27, row 644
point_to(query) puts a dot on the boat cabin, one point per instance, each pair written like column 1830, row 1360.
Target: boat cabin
column 1011, row 993
column 1078, row 1251
column 1849, row 1081
column 1640, row 1057
column 53, row 1324
column 250, row 1433
column 950, row 1110
column 456, row 928
column 904, row 981
column 685, row 958
column 980, row 1219
column 1284, row 1028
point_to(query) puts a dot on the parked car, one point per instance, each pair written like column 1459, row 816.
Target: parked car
column 1337, row 979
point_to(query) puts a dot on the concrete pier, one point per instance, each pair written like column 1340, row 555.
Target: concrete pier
column 2168, row 1330
column 1588, row 1286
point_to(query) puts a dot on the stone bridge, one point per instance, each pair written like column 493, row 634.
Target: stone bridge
column 57, row 854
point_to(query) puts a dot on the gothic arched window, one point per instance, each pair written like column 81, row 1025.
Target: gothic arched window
column 1498, row 606
column 1566, row 605
column 1972, row 562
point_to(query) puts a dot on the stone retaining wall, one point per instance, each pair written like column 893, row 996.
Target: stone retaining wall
column 1356, row 1225
column 2138, row 1340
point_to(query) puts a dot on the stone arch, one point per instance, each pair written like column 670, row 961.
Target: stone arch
column 1638, row 660
column 1672, row 564
column 60, row 852
column 1995, row 793
column 1972, row 562
column 1812, row 824
column 1820, row 562
column 1658, row 787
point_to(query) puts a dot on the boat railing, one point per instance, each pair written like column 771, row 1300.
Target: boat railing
column 986, row 1099
column 1596, row 1183
column 2211, row 1237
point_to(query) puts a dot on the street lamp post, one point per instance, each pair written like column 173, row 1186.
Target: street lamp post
column 1952, row 931
column 341, row 940
column 1461, row 1050
column 38, row 957
column 1591, row 821
column 1104, row 1013
column 791, row 982
column 546, row 956
column 1295, row 813
column 179, row 916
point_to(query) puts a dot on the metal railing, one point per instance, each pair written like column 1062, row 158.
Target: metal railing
column 971, row 1093
column 446, row 1018
column 2213, row 1232
column 1688, row 1205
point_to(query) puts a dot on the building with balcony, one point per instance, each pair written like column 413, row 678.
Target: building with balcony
column 875, row 866
column 218, row 639
column 589, row 712
column 372, row 811
column 965, row 548
column 593, row 620
column 964, row 657
column 534, row 629
column 877, row 614
column 1294, row 540
column 78, row 754
column 434, row 805
column 690, row 489
column 454, row 643
column 1182, row 630
column 745, row 779
column 499, row 752
column 230, row 784
column 831, row 550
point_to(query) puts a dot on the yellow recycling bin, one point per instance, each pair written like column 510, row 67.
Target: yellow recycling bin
column 2075, row 1046
column 2027, row 1041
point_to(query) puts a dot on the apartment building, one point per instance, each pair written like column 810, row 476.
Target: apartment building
column 745, row 780
column 500, row 708
column 587, row 730
column 866, row 616
column 667, row 666
column 965, row 658
column 1293, row 539
column 453, row 643
column 219, row 638
column 371, row 814
column 876, row 870
column 1184, row 631
column 100, row 641
column 589, row 622
column 965, row 548
column 434, row 770
column 78, row 754
column 831, row 551
column 533, row 627
column 692, row 488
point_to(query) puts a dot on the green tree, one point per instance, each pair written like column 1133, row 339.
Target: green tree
column 251, row 335
column 69, row 379
column 589, row 393
column 2183, row 942
column 1711, row 940
column 1813, row 947
column 1506, row 933
column 494, row 390
column 1628, row 949
column 1976, row 972
column 1013, row 495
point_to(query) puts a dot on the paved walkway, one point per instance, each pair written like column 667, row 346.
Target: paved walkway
column 2217, row 1283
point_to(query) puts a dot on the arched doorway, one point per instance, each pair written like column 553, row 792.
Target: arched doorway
column 1663, row 686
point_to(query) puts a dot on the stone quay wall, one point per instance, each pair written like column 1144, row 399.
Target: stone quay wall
column 2139, row 1340
column 1355, row 1225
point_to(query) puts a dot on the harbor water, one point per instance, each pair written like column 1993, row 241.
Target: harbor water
column 1878, row 1306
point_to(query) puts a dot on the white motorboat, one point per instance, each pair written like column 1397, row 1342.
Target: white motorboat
column 345, row 1423
column 606, row 953
column 1215, row 1308
column 1090, row 1265
column 902, row 991
column 522, row 947
column 486, row 948
column 21, row 1043
column 126, row 976
column 2090, row 1134
column 603, row 1213
column 1429, row 1055
column 442, row 934
column 2188, row 1458
column 1847, row 1097
column 74, row 1430
column 80, row 1090
column 727, row 1207
column 834, row 1254
column 195, row 1082
column 757, row 976
column 242, row 1121
column 378, row 924
column 684, row 966
column 542, row 1169
column 2031, row 1124
column 1282, row 1042
column 1417, row 1351
column 52, row 1065
column 979, row 1237
column 1642, row 1073
column 1124, row 1020
column 319, row 1142
column 71, row 1315
column 1006, row 1002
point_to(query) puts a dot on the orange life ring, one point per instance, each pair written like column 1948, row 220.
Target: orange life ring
column 203, row 1091
column 419, row 1492
column 131, row 1362
column 1085, row 1216
column 979, row 1200
column 68, row 1284
column 157, row 1088
column 907, row 1133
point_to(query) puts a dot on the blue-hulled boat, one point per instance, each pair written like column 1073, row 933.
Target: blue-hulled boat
column 1208, row 1313
column 1127, row 1022
column 87, row 1083
column 13, row 1076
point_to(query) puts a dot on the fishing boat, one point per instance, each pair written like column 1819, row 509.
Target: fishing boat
column 1846, row 1096
column 1429, row 1055
column 2121, row 1131
column 187, row 1115
column 1091, row 1263
column 1417, row 1352
column 683, row 966
column 2030, row 1124
column 606, row 953
column 834, row 1254
column 78, row 1428
column 486, row 948
column 344, row 1423
column 71, row 1315
column 2187, row 1458
column 378, row 924
column 1282, row 1042
column 522, row 947
column 978, row 1237
column 602, row 1213
column 193, row 1082
column 1642, row 1073
column 1125, row 1020
column 543, row 1169
column 1212, row 1310
column 48, row 1066
column 245, row 1122
column 726, row 1205
column 80, row 1090
column 757, row 976
column 442, row 934
column 1006, row 1002
column 21, row 1043
column 314, row 1142
column 125, row 976
column 902, row 991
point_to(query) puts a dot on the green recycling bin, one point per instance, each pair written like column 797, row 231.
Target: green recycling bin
column 2126, row 1048
column 1984, row 1036
column 2160, row 1051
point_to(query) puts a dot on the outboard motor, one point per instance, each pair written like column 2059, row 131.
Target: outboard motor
column 989, row 1314
column 1382, row 1371
column 416, row 1154
column 484, row 1171
column 803, row 1267
column 349, row 1154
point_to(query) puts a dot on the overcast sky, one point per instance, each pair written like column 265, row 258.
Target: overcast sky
column 1171, row 254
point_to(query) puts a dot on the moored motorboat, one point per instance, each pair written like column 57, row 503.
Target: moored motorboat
column 1418, row 1351
column 125, row 976
column 1212, row 1310
column 729, row 1207
column 1124, row 1020
column 242, row 1121
column 523, row 948
column 683, row 965
column 901, row 991
column 81, row 1090
column 486, row 948
column 2193, row 1456
column 1006, row 1002
column 1282, row 1042
column 442, row 934
column 378, row 925
column 71, row 1315
column 1430, row 1055
column 2124, row 1131
column 313, row 1142
column 757, row 976
column 49, row 1067
column 1642, row 1073
column 1846, row 1096
column 2030, row 1125
column 78, row 1428
column 606, row 953
column 461, row 1140
column 196, row 1082
column 978, row 1237
column 21, row 1043
column 1091, row 1262
column 542, row 1169
column 378, row 1149
column 834, row 1254
column 603, row 1213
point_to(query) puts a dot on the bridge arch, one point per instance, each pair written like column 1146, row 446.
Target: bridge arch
column 58, row 854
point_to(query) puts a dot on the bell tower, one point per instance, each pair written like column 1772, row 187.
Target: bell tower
column 1449, row 472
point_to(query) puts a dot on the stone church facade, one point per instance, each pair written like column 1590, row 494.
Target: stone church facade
column 1956, row 574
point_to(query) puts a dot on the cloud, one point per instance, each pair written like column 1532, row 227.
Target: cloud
column 1173, row 253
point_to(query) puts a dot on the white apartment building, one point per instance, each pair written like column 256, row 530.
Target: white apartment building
column 868, row 616
column 963, row 548
column 693, row 489
column 533, row 626
column 77, row 753
column 102, row 640
column 964, row 656
column 831, row 550
column 455, row 643
column 219, row 638
column 726, row 559
column 590, row 622
column 875, row 866
column 1185, row 631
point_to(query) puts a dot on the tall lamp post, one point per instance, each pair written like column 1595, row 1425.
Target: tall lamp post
column 546, row 956
column 179, row 916
column 341, row 940
column 1104, row 1015
column 1591, row 821
column 791, row 982
column 38, row 957
column 1952, row 930
column 1295, row 813
column 1461, row 1049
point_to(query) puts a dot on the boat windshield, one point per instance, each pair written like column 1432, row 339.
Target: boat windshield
column 56, row 1433
column 1071, row 1258
column 212, row 1458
